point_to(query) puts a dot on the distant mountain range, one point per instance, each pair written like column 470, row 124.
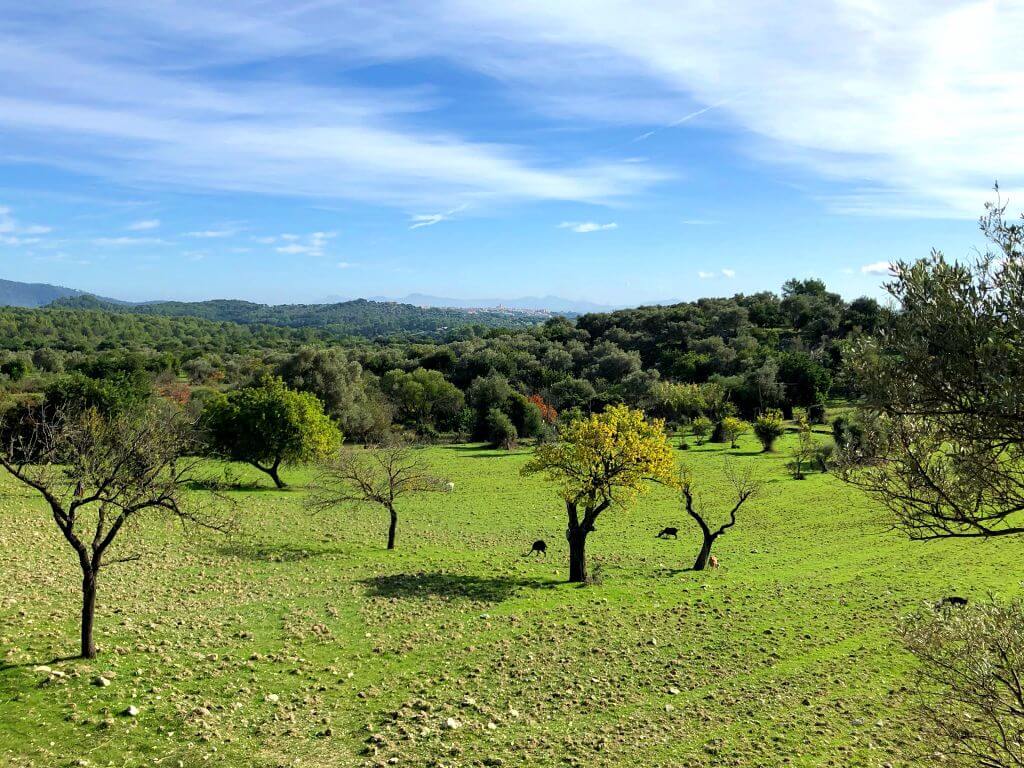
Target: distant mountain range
column 14, row 294
column 555, row 304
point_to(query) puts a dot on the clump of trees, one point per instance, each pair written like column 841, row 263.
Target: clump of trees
column 601, row 462
column 378, row 475
column 268, row 425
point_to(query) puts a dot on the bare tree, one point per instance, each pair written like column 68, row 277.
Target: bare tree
column 98, row 473
column 745, row 486
column 380, row 475
column 970, row 682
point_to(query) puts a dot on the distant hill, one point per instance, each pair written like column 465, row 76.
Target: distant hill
column 15, row 294
column 368, row 319
column 529, row 303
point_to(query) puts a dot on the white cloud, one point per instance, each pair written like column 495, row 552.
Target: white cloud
column 430, row 219
column 730, row 273
column 345, row 265
column 311, row 245
column 212, row 233
column 877, row 268
column 124, row 109
column 706, row 275
column 118, row 241
column 144, row 225
column 15, row 230
column 584, row 227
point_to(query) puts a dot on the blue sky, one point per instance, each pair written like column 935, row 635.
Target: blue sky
column 602, row 150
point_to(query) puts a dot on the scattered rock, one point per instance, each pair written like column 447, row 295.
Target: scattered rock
column 100, row 681
column 132, row 711
column 452, row 724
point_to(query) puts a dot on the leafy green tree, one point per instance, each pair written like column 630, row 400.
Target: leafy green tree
column 268, row 425
column 500, row 430
column 807, row 381
column 77, row 392
column 603, row 461
column 943, row 416
column 15, row 369
column 769, row 427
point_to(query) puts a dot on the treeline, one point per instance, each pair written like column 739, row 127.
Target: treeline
column 366, row 319
column 711, row 358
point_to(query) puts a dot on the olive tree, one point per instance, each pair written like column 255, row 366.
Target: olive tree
column 98, row 473
column 601, row 462
column 943, row 444
column 377, row 475
column 970, row 682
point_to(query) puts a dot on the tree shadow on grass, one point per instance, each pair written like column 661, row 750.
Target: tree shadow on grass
column 451, row 586
column 6, row 666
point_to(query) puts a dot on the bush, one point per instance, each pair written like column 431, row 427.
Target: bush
column 848, row 434
column 500, row 430
column 732, row 428
column 769, row 427
column 821, row 458
column 816, row 413
column 700, row 427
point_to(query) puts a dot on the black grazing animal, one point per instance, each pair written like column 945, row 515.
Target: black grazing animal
column 539, row 547
column 953, row 601
column 666, row 532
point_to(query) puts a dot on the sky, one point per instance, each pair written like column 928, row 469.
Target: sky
column 612, row 151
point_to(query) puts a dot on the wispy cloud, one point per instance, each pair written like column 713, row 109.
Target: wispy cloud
column 119, row 241
column 13, row 228
column 209, row 234
column 430, row 219
column 724, row 272
column 877, row 268
column 133, row 115
column 311, row 245
column 144, row 225
column 583, row 227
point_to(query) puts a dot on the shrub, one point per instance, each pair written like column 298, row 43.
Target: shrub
column 500, row 430
column 847, row 433
column 700, row 427
column 816, row 413
column 821, row 458
column 769, row 427
column 732, row 428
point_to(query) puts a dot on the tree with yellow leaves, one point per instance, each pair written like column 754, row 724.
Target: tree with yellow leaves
column 603, row 461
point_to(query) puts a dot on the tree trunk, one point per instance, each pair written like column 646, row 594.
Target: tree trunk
column 275, row 476
column 718, row 433
column 577, row 555
column 393, row 528
column 705, row 554
column 88, row 614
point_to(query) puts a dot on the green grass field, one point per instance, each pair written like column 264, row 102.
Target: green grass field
column 301, row 641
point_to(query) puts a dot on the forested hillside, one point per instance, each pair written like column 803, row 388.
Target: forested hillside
column 369, row 319
column 15, row 294
column 705, row 359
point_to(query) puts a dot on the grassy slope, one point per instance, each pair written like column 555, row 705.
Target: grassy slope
column 785, row 656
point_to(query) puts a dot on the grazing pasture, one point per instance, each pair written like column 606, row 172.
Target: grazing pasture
column 302, row 641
